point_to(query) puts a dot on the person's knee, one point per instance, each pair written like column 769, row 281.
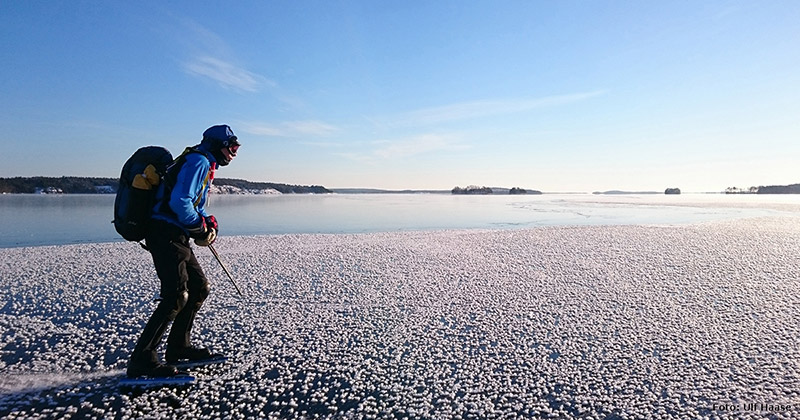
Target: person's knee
column 204, row 291
column 179, row 302
column 199, row 296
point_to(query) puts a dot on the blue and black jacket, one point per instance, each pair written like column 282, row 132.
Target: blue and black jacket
column 188, row 194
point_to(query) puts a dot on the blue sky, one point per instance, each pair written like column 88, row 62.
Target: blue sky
column 551, row 95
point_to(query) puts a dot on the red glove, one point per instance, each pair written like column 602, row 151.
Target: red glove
column 211, row 222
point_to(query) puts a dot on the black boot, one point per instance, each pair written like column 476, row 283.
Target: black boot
column 187, row 353
column 144, row 366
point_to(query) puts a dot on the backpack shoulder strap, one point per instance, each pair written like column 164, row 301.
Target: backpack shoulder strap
column 176, row 165
column 172, row 172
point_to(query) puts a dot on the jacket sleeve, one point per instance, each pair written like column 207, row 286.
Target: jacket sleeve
column 189, row 187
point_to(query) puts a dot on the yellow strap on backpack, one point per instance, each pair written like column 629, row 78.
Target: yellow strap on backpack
column 152, row 175
column 205, row 182
column 146, row 180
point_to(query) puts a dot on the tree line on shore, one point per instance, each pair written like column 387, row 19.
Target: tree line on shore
column 474, row 189
column 90, row 185
column 769, row 189
column 99, row 185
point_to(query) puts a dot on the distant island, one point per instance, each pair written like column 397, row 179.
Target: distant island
column 770, row 189
column 89, row 185
column 476, row 190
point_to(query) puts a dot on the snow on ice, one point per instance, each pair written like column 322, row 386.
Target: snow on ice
column 696, row 321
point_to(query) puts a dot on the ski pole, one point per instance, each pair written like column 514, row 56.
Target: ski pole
column 225, row 269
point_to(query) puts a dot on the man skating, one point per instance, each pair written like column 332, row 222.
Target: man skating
column 180, row 215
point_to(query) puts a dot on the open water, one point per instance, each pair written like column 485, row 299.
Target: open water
column 32, row 220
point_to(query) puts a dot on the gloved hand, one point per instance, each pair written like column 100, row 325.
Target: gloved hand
column 211, row 222
column 211, row 236
column 198, row 231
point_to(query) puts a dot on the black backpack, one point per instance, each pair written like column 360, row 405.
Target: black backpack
column 136, row 194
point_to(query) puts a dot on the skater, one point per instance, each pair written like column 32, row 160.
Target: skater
column 180, row 215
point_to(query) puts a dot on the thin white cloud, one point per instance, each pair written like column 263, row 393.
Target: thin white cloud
column 383, row 150
column 357, row 157
column 478, row 109
column 417, row 145
column 224, row 73
column 290, row 129
column 210, row 57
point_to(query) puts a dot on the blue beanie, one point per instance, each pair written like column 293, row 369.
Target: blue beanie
column 219, row 136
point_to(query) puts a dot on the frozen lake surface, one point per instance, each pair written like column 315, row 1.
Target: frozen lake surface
column 33, row 220
column 604, row 322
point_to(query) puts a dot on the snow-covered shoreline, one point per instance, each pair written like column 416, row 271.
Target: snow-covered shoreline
column 231, row 189
column 664, row 321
